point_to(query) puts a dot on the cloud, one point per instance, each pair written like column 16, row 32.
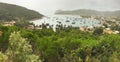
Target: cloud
column 93, row 4
column 50, row 6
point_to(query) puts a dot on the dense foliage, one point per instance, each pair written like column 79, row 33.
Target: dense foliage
column 13, row 12
column 67, row 45
column 19, row 50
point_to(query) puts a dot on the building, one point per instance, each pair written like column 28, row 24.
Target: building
column 82, row 29
column 10, row 23
column 107, row 31
column 1, row 33
column 116, row 32
column 30, row 27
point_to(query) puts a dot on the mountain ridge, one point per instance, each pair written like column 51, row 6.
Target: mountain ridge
column 88, row 12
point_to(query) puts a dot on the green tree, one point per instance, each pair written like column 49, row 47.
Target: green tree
column 3, row 57
column 98, row 31
column 19, row 50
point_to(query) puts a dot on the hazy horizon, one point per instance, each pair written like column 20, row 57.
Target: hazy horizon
column 48, row 7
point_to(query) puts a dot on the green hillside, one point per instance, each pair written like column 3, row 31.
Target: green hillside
column 14, row 12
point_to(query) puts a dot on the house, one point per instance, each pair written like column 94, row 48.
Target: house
column 10, row 23
column 38, row 27
column 82, row 29
column 107, row 31
column 1, row 33
column 30, row 27
column 116, row 32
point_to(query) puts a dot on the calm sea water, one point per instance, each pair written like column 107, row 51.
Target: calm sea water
column 68, row 20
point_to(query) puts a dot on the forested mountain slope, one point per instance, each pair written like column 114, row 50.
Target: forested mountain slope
column 14, row 12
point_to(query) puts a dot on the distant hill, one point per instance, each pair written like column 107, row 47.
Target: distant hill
column 86, row 12
column 14, row 12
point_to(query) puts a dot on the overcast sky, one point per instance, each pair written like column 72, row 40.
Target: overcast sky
column 48, row 7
